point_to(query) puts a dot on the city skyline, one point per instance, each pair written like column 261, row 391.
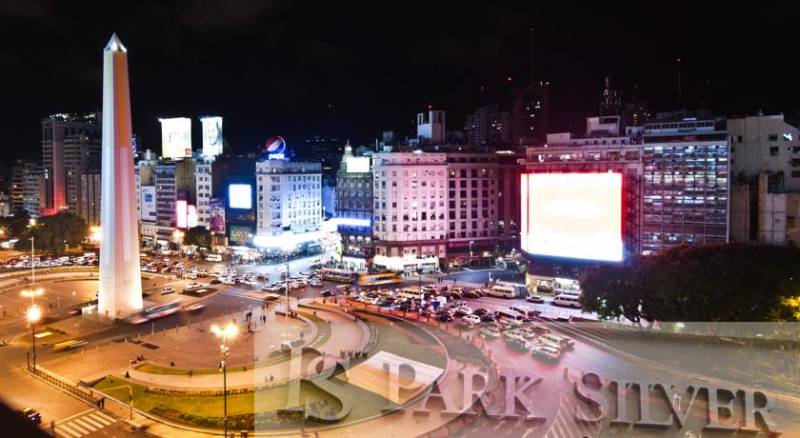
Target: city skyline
column 272, row 68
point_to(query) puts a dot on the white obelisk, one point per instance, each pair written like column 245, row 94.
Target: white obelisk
column 120, row 278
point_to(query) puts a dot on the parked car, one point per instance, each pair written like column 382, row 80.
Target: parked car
column 560, row 342
column 480, row 311
column 31, row 415
column 535, row 299
column 518, row 344
column 474, row 319
column 444, row 317
column 471, row 294
column 489, row 333
column 327, row 293
column 547, row 353
column 167, row 290
column 487, row 317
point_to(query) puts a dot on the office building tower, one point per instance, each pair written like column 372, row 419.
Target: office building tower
column 686, row 181
column 70, row 148
column 410, row 210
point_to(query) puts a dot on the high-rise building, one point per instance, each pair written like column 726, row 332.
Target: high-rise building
column 5, row 205
column 509, row 168
column 765, row 173
column 431, row 127
column 530, row 114
column 175, row 190
column 471, row 206
column 34, row 190
column 17, row 188
column 764, row 144
column 686, row 181
column 605, row 147
column 288, row 198
column 410, row 210
column 354, row 209
column 488, row 125
column 90, row 198
column 204, row 185
column 70, row 148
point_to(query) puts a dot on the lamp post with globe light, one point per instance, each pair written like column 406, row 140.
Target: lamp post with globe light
column 226, row 332
column 33, row 314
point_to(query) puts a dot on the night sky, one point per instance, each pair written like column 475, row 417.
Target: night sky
column 298, row 68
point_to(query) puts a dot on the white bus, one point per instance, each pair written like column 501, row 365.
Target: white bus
column 567, row 301
column 213, row 257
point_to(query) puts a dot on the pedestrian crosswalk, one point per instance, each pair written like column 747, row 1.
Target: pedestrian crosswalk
column 564, row 425
column 82, row 424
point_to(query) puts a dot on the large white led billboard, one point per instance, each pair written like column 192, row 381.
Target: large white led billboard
column 176, row 137
column 572, row 215
column 212, row 136
column 181, row 212
column 240, row 196
column 357, row 164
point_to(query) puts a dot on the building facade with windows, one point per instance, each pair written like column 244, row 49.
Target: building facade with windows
column 606, row 147
column 686, row 185
column 288, row 198
column 71, row 146
column 765, row 175
column 472, row 189
column 410, row 210
column 354, row 198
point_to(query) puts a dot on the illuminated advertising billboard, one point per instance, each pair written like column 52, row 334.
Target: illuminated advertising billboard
column 275, row 148
column 176, row 137
column 240, row 234
column 572, row 215
column 147, row 203
column 357, row 164
column 240, row 196
column 191, row 217
column 216, row 215
column 181, row 213
column 212, row 136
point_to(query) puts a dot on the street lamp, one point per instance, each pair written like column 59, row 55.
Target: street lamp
column 287, row 246
column 471, row 242
column 227, row 332
column 33, row 314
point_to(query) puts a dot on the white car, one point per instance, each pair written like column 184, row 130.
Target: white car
column 167, row 290
column 474, row 319
column 464, row 309
column 315, row 283
column 227, row 281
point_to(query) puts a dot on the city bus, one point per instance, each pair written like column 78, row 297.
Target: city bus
column 69, row 345
column 379, row 279
column 155, row 312
column 338, row 275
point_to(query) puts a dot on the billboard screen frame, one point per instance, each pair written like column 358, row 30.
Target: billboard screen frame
column 528, row 242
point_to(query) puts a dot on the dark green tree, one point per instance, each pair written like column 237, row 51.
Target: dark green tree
column 53, row 233
column 199, row 236
column 732, row 282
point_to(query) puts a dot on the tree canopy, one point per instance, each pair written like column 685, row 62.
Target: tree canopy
column 731, row 282
column 52, row 233
column 199, row 236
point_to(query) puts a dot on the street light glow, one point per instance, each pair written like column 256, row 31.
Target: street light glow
column 34, row 313
column 96, row 234
column 229, row 331
column 32, row 293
